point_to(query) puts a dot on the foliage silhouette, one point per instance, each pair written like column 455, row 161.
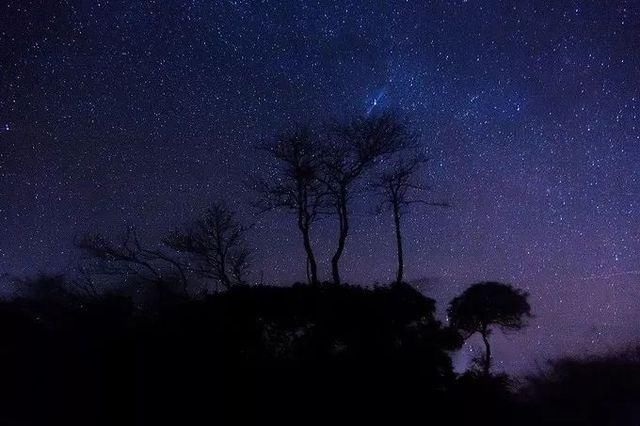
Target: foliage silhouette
column 485, row 399
column 308, row 354
column 489, row 304
column 597, row 390
column 249, row 353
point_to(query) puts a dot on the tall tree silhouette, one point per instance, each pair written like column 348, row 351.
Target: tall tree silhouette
column 489, row 304
column 296, row 186
column 353, row 150
column 400, row 187
column 216, row 242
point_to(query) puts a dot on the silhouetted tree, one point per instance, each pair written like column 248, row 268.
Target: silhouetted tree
column 353, row 150
column 296, row 186
column 83, row 282
column 217, row 245
column 487, row 304
column 129, row 257
column 400, row 186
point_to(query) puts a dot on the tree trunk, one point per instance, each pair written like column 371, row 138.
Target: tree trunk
column 486, row 367
column 396, row 220
column 222, row 271
column 311, row 260
column 342, row 238
column 304, row 226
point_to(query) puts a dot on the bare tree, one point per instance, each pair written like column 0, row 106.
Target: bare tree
column 84, row 282
column 353, row 151
column 400, row 186
column 130, row 258
column 217, row 245
column 296, row 186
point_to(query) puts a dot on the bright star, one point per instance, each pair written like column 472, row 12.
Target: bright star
column 376, row 100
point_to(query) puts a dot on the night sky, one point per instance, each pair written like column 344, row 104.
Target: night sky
column 119, row 113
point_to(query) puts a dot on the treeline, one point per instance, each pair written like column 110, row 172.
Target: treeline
column 304, row 354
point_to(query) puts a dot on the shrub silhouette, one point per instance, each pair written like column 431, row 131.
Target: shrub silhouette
column 602, row 390
column 330, row 346
column 300, row 353
column 487, row 399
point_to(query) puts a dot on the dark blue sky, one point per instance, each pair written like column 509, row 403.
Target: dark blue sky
column 117, row 113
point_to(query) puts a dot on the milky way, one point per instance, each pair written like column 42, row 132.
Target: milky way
column 140, row 113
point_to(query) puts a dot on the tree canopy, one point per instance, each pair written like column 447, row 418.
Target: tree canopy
column 489, row 303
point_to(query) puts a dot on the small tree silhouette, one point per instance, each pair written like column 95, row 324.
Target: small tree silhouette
column 296, row 186
column 400, row 187
column 217, row 244
column 353, row 151
column 485, row 304
column 130, row 258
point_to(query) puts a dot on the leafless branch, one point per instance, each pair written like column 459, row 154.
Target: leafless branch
column 217, row 245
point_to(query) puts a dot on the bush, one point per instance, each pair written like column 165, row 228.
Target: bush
column 301, row 353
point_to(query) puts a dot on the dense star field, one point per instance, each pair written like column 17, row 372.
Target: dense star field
column 141, row 113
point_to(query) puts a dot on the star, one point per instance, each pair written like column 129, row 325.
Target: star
column 376, row 101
